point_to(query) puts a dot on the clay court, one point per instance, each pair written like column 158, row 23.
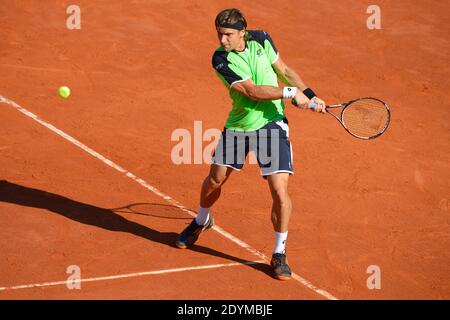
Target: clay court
column 88, row 181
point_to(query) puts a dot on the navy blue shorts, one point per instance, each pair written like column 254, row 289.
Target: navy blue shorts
column 270, row 144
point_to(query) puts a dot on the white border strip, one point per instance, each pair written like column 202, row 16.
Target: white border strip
column 237, row 81
column 129, row 275
column 157, row 192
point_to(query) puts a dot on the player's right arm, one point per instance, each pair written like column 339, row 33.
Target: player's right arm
column 237, row 79
column 259, row 93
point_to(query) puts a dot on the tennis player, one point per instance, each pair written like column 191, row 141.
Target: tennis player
column 249, row 65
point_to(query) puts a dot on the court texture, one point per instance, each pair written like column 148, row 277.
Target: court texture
column 88, row 186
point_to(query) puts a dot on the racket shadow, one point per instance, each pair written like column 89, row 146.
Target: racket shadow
column 166, row 211
column 100, row 217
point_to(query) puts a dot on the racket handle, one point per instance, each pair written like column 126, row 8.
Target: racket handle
column 311, row 105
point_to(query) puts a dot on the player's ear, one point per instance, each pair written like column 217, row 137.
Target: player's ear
column 242, row 33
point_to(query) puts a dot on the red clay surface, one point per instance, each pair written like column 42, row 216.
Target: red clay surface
column 141, row 70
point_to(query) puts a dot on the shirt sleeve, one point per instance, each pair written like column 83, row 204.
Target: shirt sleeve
column 270, row 48
column 264, row 39
column 229, row 72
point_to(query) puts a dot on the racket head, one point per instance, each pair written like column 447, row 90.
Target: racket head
column 157, row 210
column 366, row 118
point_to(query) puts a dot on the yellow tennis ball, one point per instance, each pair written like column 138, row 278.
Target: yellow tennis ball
column 64, row 91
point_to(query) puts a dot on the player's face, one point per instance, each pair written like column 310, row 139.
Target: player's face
column 230, row 39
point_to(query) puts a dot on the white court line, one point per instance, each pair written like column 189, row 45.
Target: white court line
column 169, row 199
column 129, row 275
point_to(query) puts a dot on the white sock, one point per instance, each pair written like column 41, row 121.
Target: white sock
column 280, row 242
column 202, row 216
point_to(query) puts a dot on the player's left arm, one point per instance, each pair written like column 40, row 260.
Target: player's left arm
column 287, row 75
column 290, row 77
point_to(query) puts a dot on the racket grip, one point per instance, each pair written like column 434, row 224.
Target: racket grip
column 311, row 105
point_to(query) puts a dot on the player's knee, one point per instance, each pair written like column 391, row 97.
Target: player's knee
column 217, row 179
column 281, row 197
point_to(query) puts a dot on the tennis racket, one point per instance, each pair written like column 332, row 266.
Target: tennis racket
column 364, row 118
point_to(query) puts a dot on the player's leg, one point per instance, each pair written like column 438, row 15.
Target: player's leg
column 212, row 185
column 229, row 155
column 282, row 205
column 209, row 194
column 210, row 191
column 281, row 213
column 275, row 159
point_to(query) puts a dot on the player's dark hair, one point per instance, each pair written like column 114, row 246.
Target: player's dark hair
column 229, row 17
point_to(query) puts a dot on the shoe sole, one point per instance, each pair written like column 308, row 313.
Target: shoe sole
column 282, row 278
column 181, row 245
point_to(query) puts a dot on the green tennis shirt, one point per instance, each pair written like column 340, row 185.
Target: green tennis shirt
column 254, row 63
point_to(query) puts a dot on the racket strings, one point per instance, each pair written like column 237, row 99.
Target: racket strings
column 366, row 118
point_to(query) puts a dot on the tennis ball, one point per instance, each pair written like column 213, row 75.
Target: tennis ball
column 64, row 91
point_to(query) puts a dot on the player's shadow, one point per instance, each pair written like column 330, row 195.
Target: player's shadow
column 100, row 217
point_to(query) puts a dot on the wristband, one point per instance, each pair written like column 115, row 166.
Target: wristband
column 289, row 92
column 309, row 93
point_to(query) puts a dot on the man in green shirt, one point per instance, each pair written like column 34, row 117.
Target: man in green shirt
column 249, row 65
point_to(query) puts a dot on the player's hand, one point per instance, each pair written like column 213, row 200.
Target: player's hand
column 319, row 105
column 301, row 101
